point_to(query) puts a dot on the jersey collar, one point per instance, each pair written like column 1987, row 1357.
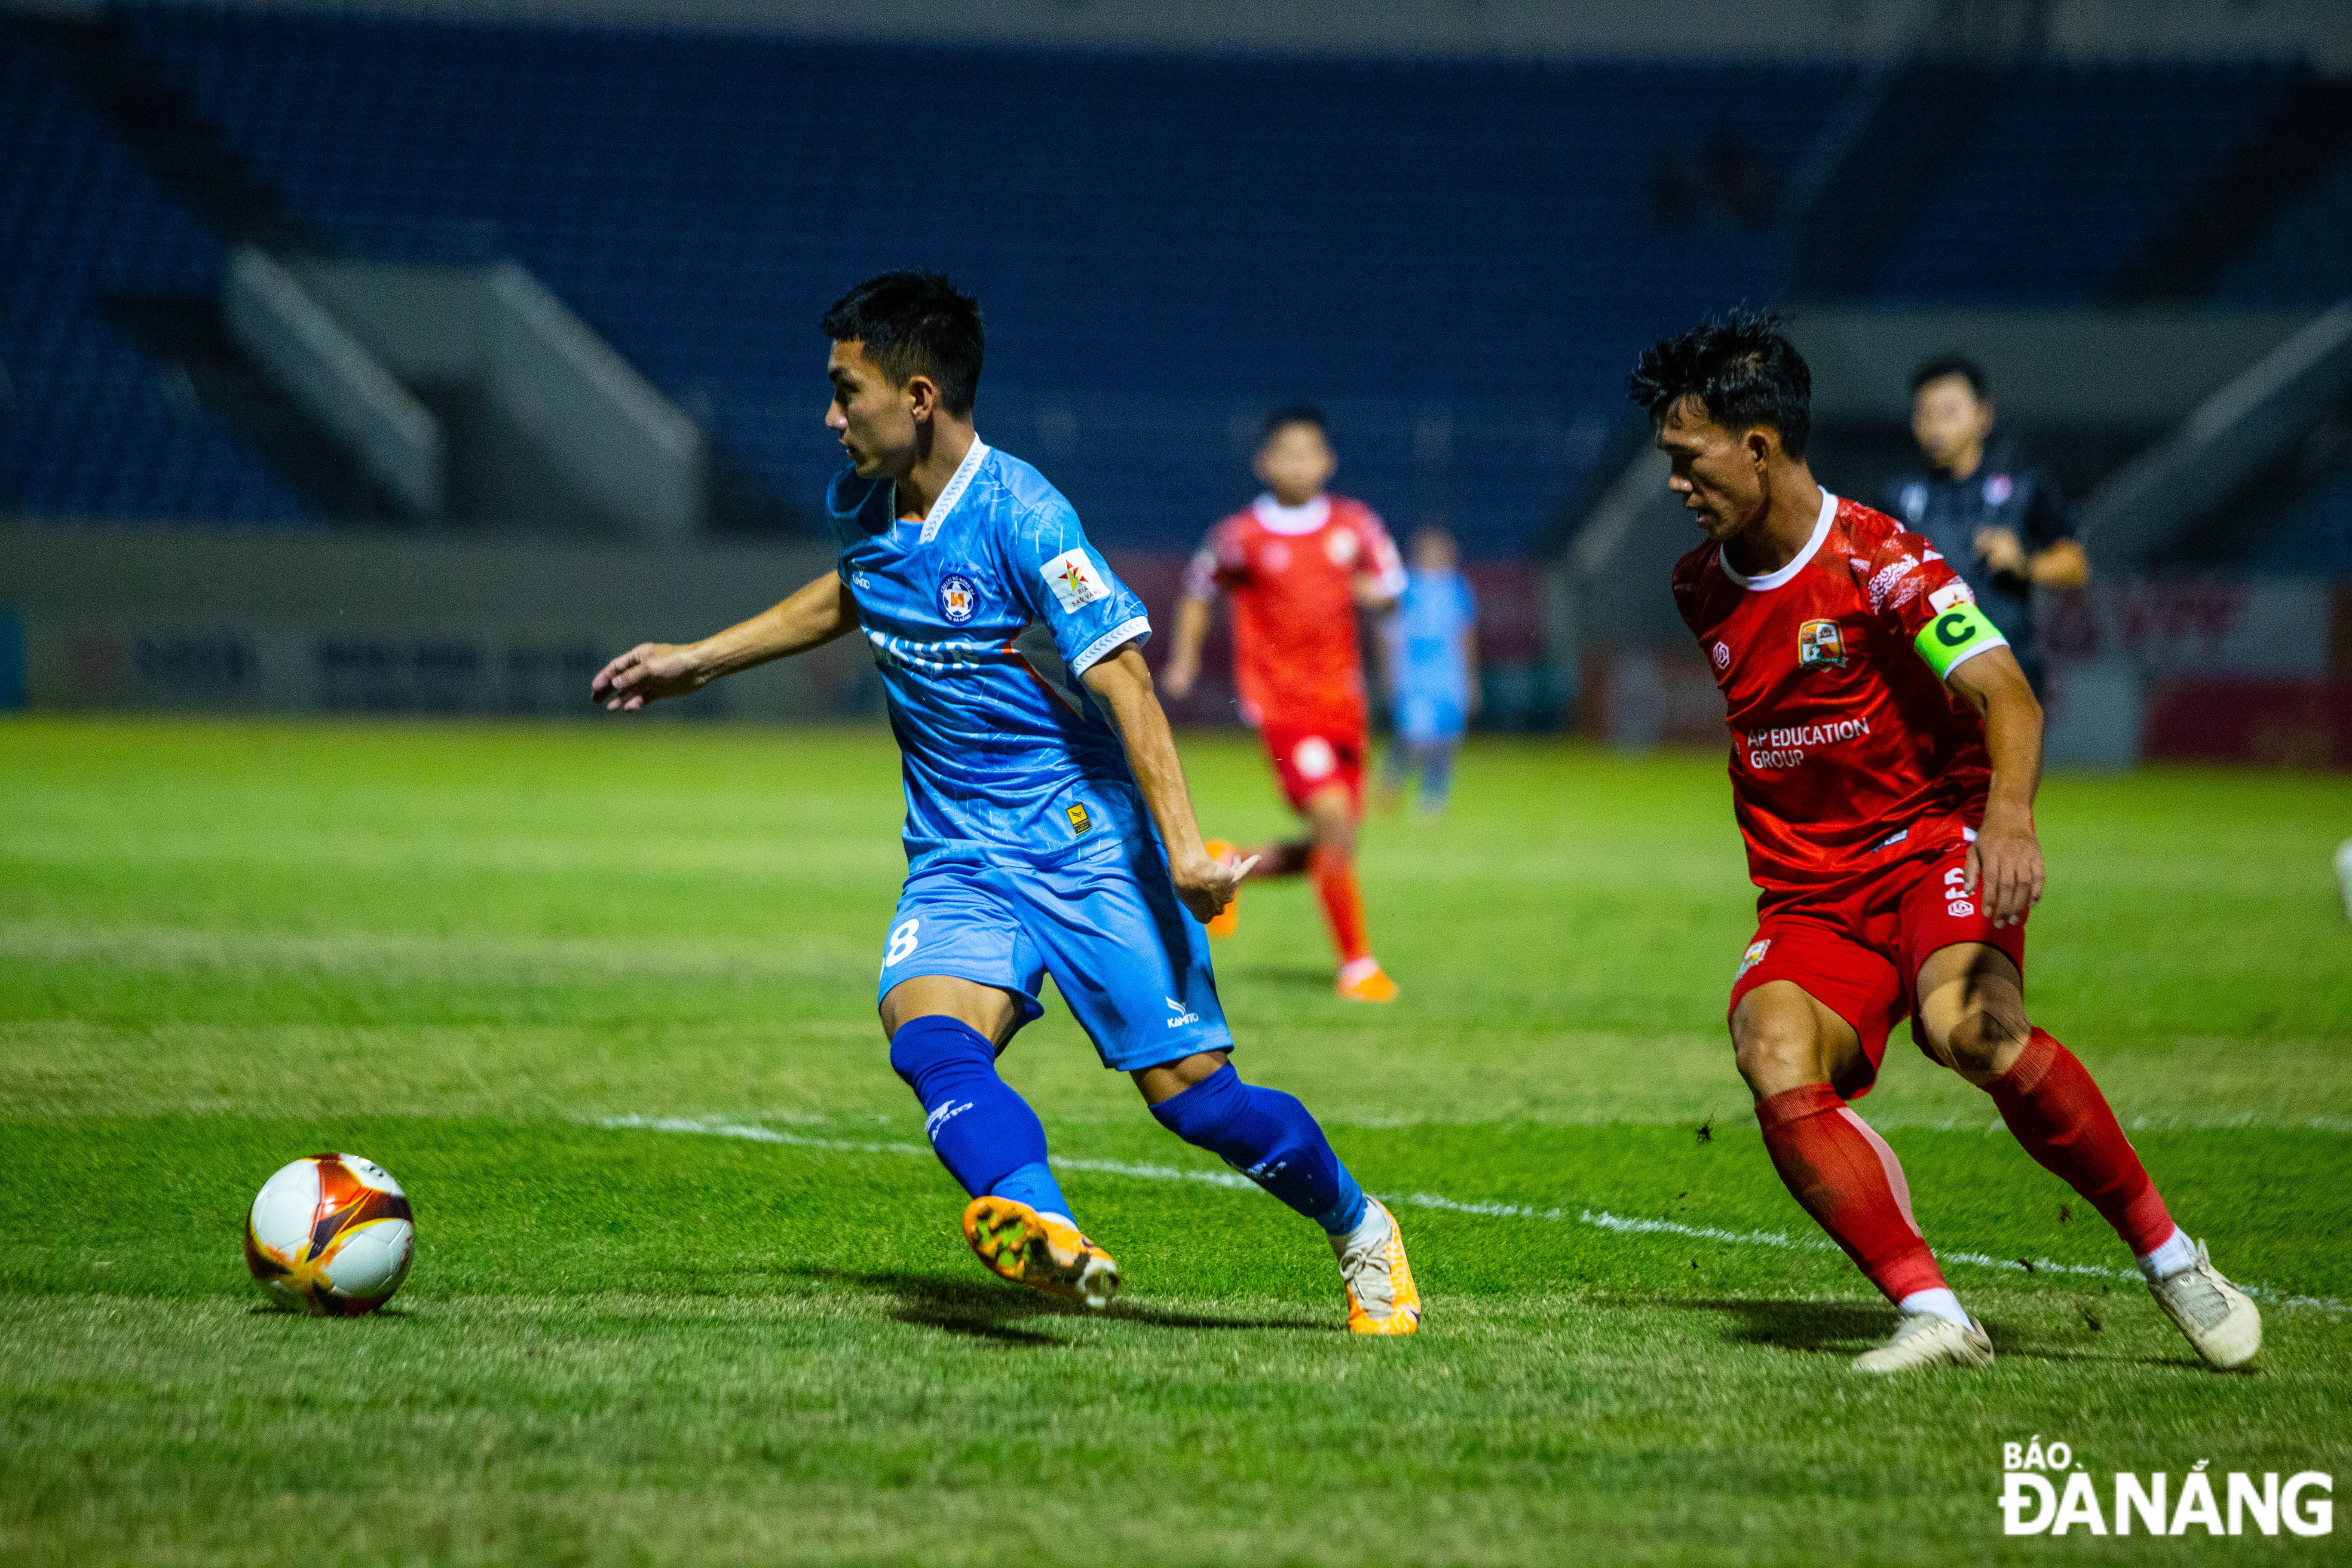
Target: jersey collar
column 1774, row 579
column 945, row 501
column 1277, row 518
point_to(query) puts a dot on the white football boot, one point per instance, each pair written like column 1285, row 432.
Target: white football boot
column 1928, row 1339
column 1382, row 1296
column 2211, row 1313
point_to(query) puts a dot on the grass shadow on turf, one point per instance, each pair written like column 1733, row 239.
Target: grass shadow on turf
column 982, row 1310
column 1849, row 1328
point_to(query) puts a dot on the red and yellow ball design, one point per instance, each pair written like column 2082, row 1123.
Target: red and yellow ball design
column 331, row 1235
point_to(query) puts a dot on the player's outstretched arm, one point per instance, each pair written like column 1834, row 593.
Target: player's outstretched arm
column 2005, row 863
column 1183, row 668
column 1123, row 682
column 653, row 671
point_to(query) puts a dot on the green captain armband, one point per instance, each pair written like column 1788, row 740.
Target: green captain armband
column 1956, row 636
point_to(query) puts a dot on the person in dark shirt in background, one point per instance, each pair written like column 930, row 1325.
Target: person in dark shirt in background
column 2003, row 525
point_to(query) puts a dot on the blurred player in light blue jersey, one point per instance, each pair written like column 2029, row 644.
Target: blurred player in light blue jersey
column 1049, row 827
column 1431, row 643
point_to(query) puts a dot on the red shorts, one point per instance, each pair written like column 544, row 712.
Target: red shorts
column 1310, row 757
column 1857, row 952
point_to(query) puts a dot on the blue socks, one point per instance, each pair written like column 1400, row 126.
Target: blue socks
column 991, row 1141
column 985, row 1134
column 1268, row 1136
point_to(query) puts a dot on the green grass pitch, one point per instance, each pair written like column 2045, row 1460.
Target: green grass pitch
column 469, row 952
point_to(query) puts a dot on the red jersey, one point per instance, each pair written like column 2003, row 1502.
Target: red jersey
column 1290, row 571
column 1847, row 750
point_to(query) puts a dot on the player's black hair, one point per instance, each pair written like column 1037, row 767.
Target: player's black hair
column 1741, row 367
column 1292, row 413
column 913, row 324
column 1942, row 365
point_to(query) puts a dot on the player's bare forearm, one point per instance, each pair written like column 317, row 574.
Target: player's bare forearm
column 1123, row 682
column 2005, row 864
column 2064, row 566
column 1192, row 618
column 649, row 672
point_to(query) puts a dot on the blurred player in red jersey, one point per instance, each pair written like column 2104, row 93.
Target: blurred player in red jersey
column 1885, row 751
column 1297, row 565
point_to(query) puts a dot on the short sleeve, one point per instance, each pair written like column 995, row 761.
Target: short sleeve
column 1380, row 560
column 1918, row 597
column 1218, row 564
column 1068, row 585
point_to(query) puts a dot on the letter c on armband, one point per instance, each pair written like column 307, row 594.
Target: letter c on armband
column 1954, row 636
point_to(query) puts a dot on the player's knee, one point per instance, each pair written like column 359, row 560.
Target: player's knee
column 1981, row 1033
column 1774, row 1047
column 1203, row 1112
column 926, row 1046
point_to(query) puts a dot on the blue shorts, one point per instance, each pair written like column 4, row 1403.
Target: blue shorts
column 1423, row 719
column 1132, row 964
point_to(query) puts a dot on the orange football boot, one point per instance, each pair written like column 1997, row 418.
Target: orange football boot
column 1226, row 919
column 1365, row 981
column 1381, row 1297
column 1044, row 1254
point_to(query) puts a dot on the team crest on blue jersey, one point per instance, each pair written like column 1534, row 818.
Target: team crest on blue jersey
column 1820, row 644
column 958, row 598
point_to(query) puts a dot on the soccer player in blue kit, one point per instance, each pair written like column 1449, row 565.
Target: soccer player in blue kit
column 1429, row 647
column 1048, row 826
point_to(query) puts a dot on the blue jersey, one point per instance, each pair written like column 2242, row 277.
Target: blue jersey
column 1426, row 668
column 1432, row 617
column 982, row 617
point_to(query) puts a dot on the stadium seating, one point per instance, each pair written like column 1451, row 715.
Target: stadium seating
column 91, row 429
column 1458, row 259
column 2306, row 258
column 2068, row 173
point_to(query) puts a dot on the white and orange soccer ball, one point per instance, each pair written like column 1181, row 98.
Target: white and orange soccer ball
column 331, row 1235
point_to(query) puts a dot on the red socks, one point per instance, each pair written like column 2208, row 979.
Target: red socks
column 1343, row 903
column 2058, row 1113
column 1850, row 1182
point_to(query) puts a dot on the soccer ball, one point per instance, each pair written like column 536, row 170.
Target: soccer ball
column 331, row 1235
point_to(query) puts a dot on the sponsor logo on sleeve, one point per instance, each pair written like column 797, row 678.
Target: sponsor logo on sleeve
column 1074, row 580
column 958, row 598
column 1721, row 654
column 1819, row 644
column 1952, row 595
column 1080, row 823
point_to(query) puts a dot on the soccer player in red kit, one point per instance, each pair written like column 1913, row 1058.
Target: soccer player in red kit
column 1886, row 750
column 1297, row 565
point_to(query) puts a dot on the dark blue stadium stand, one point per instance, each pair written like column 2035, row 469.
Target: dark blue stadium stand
column 1458, row 259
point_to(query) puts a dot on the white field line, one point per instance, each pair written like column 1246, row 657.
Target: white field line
column 1600, row 1219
